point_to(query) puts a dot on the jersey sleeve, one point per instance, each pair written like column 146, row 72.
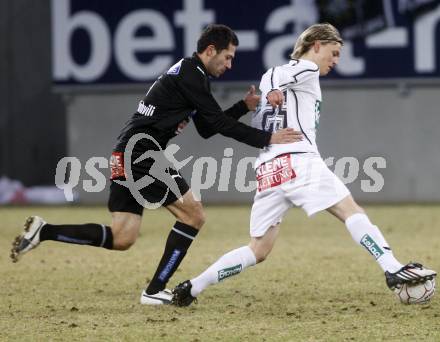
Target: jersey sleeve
column 194, row 85
column 237, row 110
column 206, row 131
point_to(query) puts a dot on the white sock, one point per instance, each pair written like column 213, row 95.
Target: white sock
column 230, row 264
column 369, row 236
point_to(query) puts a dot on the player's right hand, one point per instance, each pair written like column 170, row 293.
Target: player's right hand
column 275, row 98
column 286, row 136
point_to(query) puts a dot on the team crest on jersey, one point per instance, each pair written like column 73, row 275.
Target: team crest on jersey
column 175, row 69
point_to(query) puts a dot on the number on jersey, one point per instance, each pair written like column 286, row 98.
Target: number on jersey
column 275, row 119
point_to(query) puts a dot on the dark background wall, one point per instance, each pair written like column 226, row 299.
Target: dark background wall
column 32, row 117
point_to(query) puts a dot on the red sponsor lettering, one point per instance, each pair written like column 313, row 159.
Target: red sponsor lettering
column 117, row 165
column 275, row 172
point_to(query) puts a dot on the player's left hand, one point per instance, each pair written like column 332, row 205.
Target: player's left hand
column 251, row 99
column 275, row 97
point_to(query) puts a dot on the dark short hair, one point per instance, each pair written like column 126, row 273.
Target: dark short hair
column 218, row 35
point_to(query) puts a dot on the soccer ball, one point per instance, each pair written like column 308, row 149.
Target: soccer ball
column 416, row 294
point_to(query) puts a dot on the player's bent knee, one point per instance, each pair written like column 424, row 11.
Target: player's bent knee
column 123, row 243
column 260, row 257
column 123, row 239
column 260, row 252
column 195, row 220
column 124, row 235
column 195, row 217
column 199, row 218
column 198, row 215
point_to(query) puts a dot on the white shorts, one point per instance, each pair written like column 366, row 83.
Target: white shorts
column 313, row 188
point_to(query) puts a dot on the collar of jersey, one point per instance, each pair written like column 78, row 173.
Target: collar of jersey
column 306, row 61
column 199, row 63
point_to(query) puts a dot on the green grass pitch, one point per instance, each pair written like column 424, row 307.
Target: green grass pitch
column 317, row 285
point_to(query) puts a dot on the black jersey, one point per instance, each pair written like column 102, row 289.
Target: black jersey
column 182, row 93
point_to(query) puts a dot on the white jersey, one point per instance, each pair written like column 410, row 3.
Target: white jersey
column 299, row 81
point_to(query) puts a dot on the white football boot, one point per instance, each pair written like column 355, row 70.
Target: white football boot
column 412, row 273
column 160, row 298
column 29, row 239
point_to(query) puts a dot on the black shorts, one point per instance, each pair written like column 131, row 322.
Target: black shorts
column 161, row 189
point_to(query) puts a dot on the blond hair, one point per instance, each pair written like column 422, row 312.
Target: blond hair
column 324, row 32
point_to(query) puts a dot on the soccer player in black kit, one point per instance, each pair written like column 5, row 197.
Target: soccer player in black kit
column 180, row 94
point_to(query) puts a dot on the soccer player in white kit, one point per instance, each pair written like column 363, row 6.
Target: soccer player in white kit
column 295, row 174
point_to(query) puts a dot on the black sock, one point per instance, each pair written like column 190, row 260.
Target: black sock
column 178, row 242
column 91, row 234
